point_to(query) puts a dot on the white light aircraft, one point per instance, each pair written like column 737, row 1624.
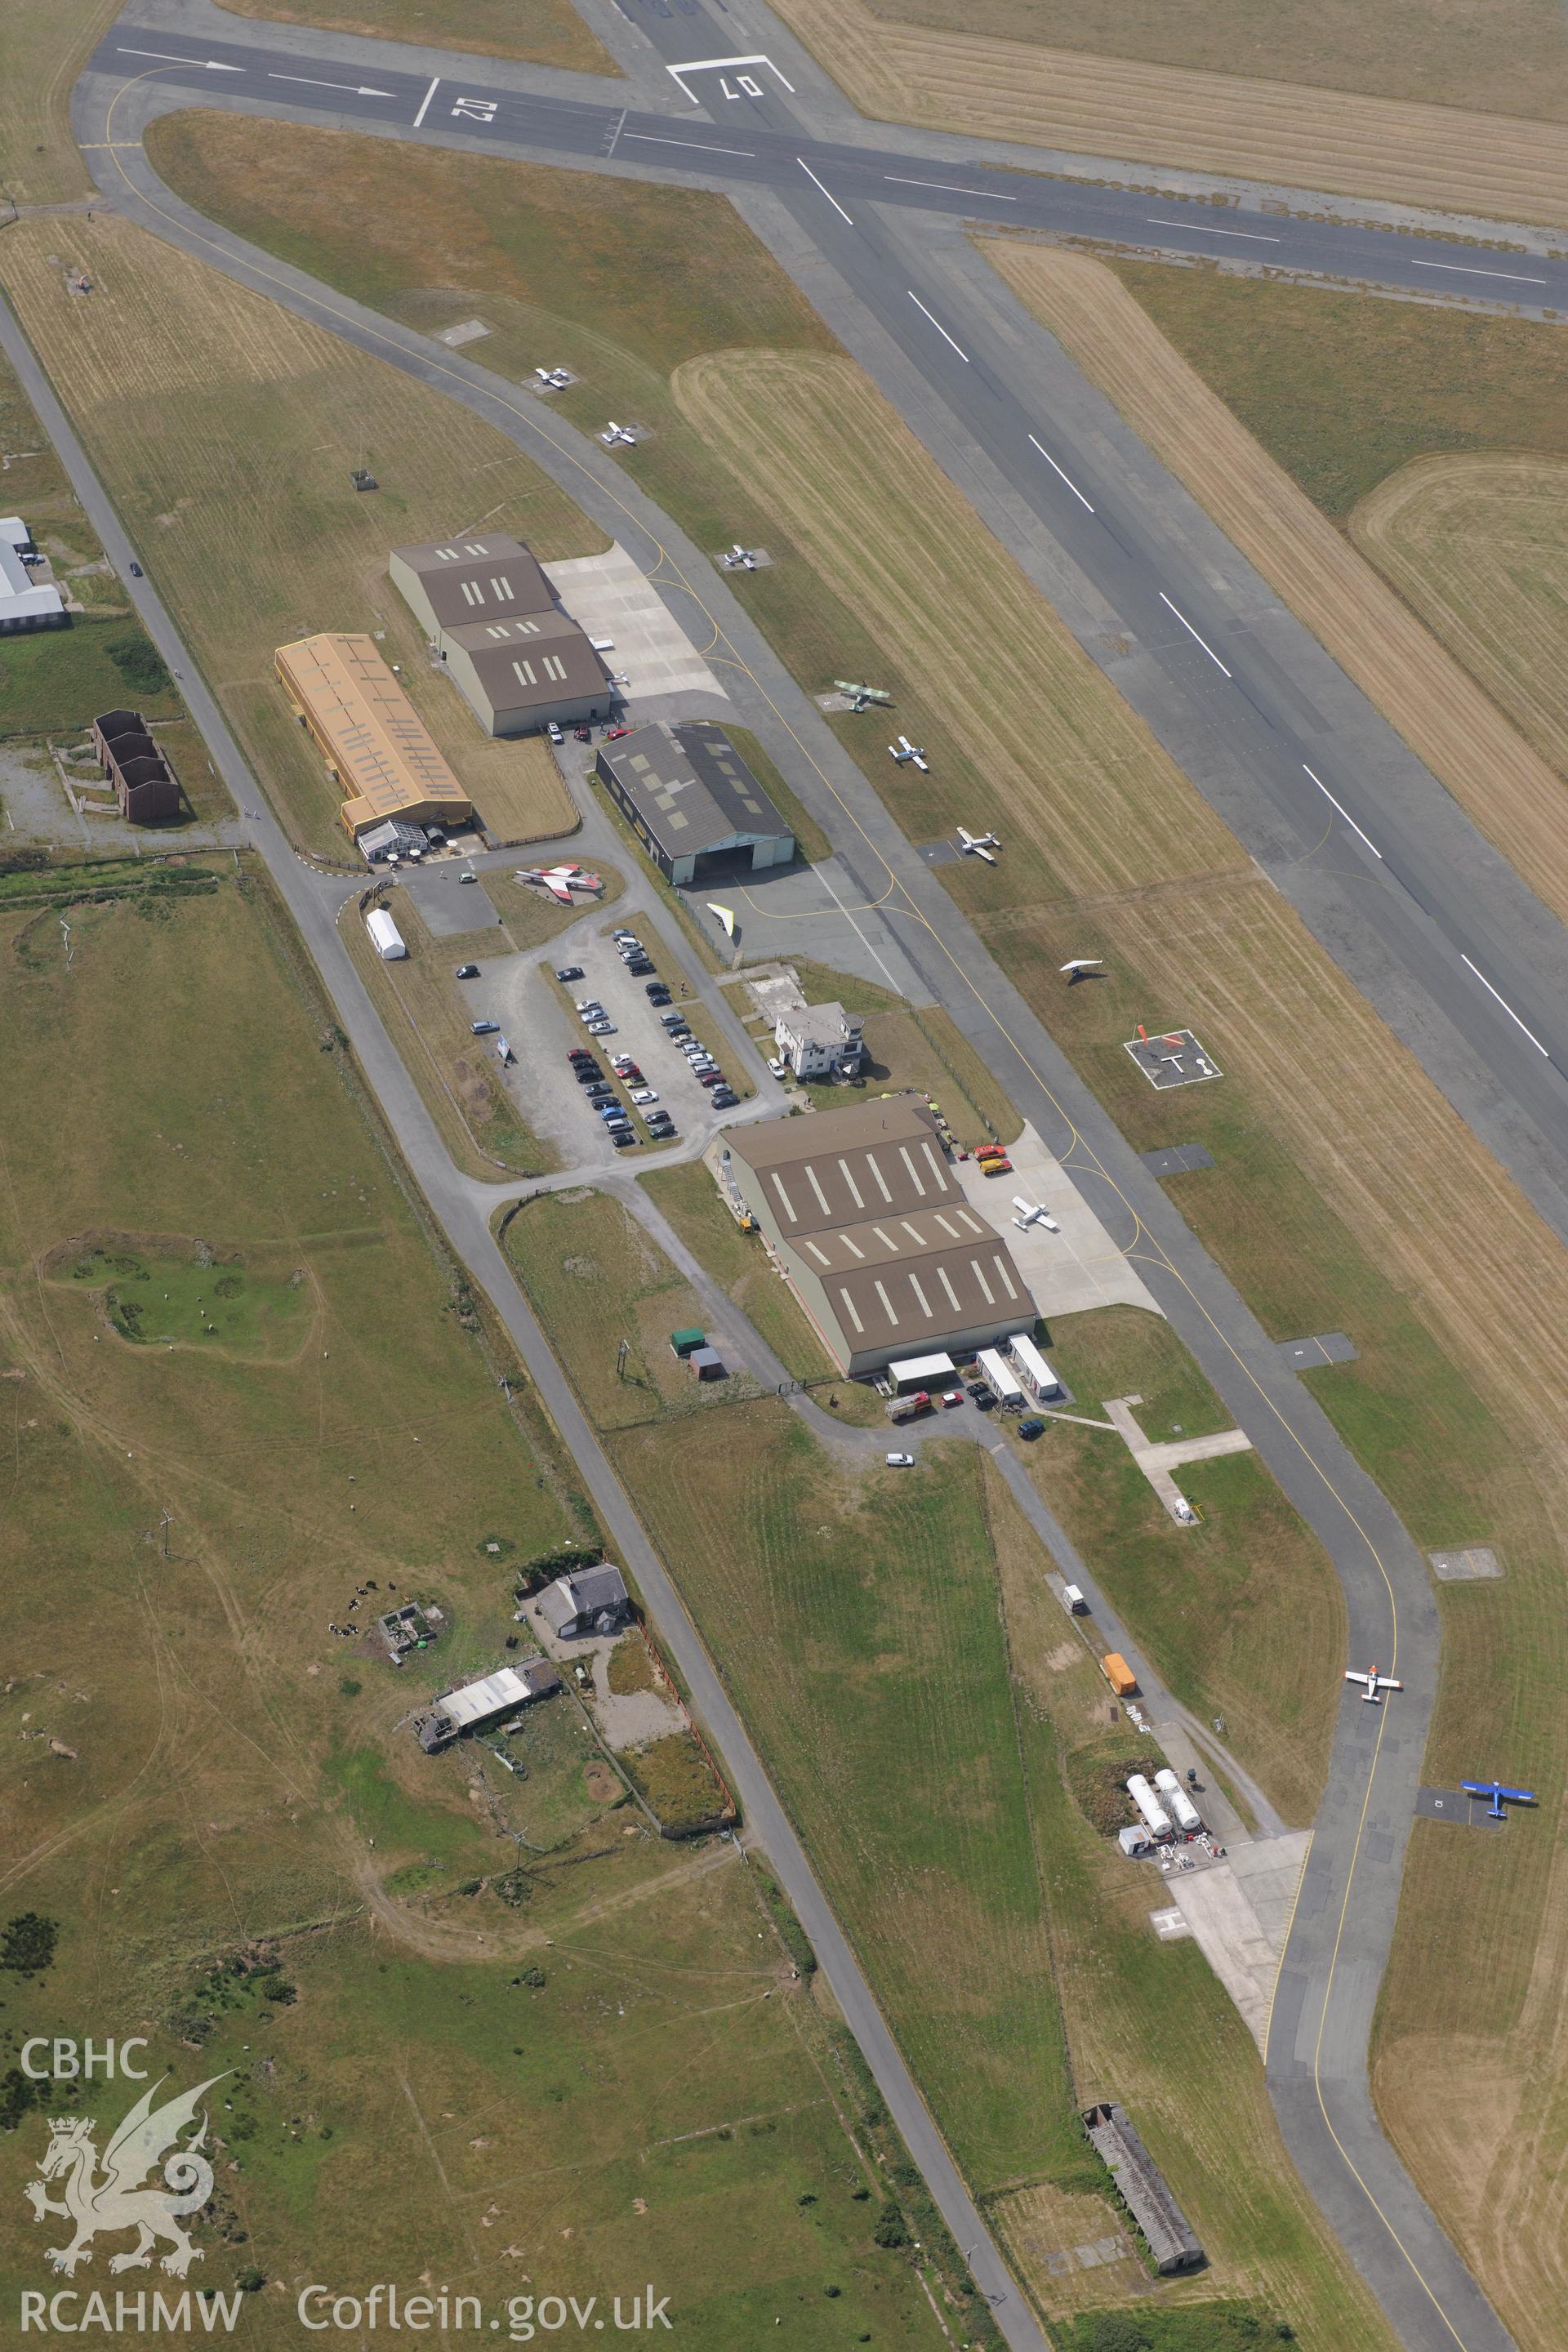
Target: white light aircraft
column 743, row 556
column 979, row 845
column 904, row 750
column 1031, row 1214
column 1375, row 1683
column 553, row 379
column 613, row 433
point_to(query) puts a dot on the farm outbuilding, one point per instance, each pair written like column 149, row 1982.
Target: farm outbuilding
column 135, row 766
column 473, row 1705
column 1166, row 2230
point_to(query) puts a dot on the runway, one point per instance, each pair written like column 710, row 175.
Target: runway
column 877, row 221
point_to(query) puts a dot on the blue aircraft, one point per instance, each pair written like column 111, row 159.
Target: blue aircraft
column 1498, row 1793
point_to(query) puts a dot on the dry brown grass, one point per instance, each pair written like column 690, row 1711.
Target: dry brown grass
column 519, row 796
column 225, row 429
column 859, row 493
column 1495, row 612
column 1462, row 1250
column 542, row 32
column 1479, row 545
column 1495, row 166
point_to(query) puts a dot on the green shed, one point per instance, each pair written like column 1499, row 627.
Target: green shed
column 685, row 1342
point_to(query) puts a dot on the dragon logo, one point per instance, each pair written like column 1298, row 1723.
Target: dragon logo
column 118, row 2198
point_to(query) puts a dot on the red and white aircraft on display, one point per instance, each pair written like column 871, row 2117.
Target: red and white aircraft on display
column 1376, row 1685
column 561, row 880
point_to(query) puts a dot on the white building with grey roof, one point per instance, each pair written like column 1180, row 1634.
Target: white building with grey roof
column 693, row 800
column 872, row 1228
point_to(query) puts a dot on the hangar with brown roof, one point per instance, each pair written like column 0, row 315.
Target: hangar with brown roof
column 517, row 675
column 373, row 741
column 871, row 1226
column 449, row 583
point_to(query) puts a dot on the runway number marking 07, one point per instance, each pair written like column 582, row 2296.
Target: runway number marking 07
column 476, row 109
column 723, row 67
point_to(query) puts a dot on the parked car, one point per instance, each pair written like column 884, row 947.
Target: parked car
column 588, row 1074
column 468, row 972
column 622, row 931
column 467, row 878
column 612, row 1111
column 613, row 734
column 621, row 1136
column 953, row 1396
column 578, row 1054
column 996, row 1168
column 583, row 734
column 724, row 1097
column 710, row 1078
column 644, row 1094
column 484, row 1028
column 776, row 1068
column 136, row 571
column 569, row 971
column 900, row 1461
column 1031, row 1428
column 554, row 731
column 655, row 989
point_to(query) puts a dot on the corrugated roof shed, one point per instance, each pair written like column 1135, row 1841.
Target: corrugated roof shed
column 369, row 732
column 1170, row 2235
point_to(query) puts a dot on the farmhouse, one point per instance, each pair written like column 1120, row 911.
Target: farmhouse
column 1142, row 2184
column 872, row 1229
column 589, row 1601
column 374, row 744
column 473, row 1705
column 692, row 802
column 25, row 603
column 135, row 767
column 488, row 611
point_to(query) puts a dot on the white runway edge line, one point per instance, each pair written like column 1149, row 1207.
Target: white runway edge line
column 163, row 57
column 1506, row 1007
column 816, row 183
column 1057, row 469
column 936, row 322
column 425, row 102
column 1192, row 633
column 1343, row 812
column 1200, row 228
column 988, row 195
column 1458, row 269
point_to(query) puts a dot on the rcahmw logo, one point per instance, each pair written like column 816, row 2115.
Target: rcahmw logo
column 103, row 2195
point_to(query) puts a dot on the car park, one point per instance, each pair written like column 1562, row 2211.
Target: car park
column 468, row 972
column 569, row 971
column 484, row 1028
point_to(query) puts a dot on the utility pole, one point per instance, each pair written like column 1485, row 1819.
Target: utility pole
column 166, row 1522
column 622, row 1351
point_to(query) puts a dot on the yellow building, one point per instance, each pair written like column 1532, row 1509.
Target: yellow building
column 366, row 729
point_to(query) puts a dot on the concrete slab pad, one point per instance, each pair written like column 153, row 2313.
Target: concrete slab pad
column 1170, row 1924
column 447, row 905
column 466, row 330
column 1323, row 1348
column 1455, row 1805
column 939, row 852
column 610, row 597
column 1231, row 1938
column 1176, row 1059
column 1459, row 1566
column 1078, row 1267
column 1269, row 1871
column 1178, row 1159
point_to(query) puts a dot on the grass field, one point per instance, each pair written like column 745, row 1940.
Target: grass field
column 428, row 1020
column 1188, row 115
column 689, row 1198
column 1502, row 775
column 542, row 32
column 1505, row 57
column 656, row 2099
column 1476, row 546
column 44, row 44
column 1352, row 1121
column 58, row 680
column 518, row 791
column 266, row 400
